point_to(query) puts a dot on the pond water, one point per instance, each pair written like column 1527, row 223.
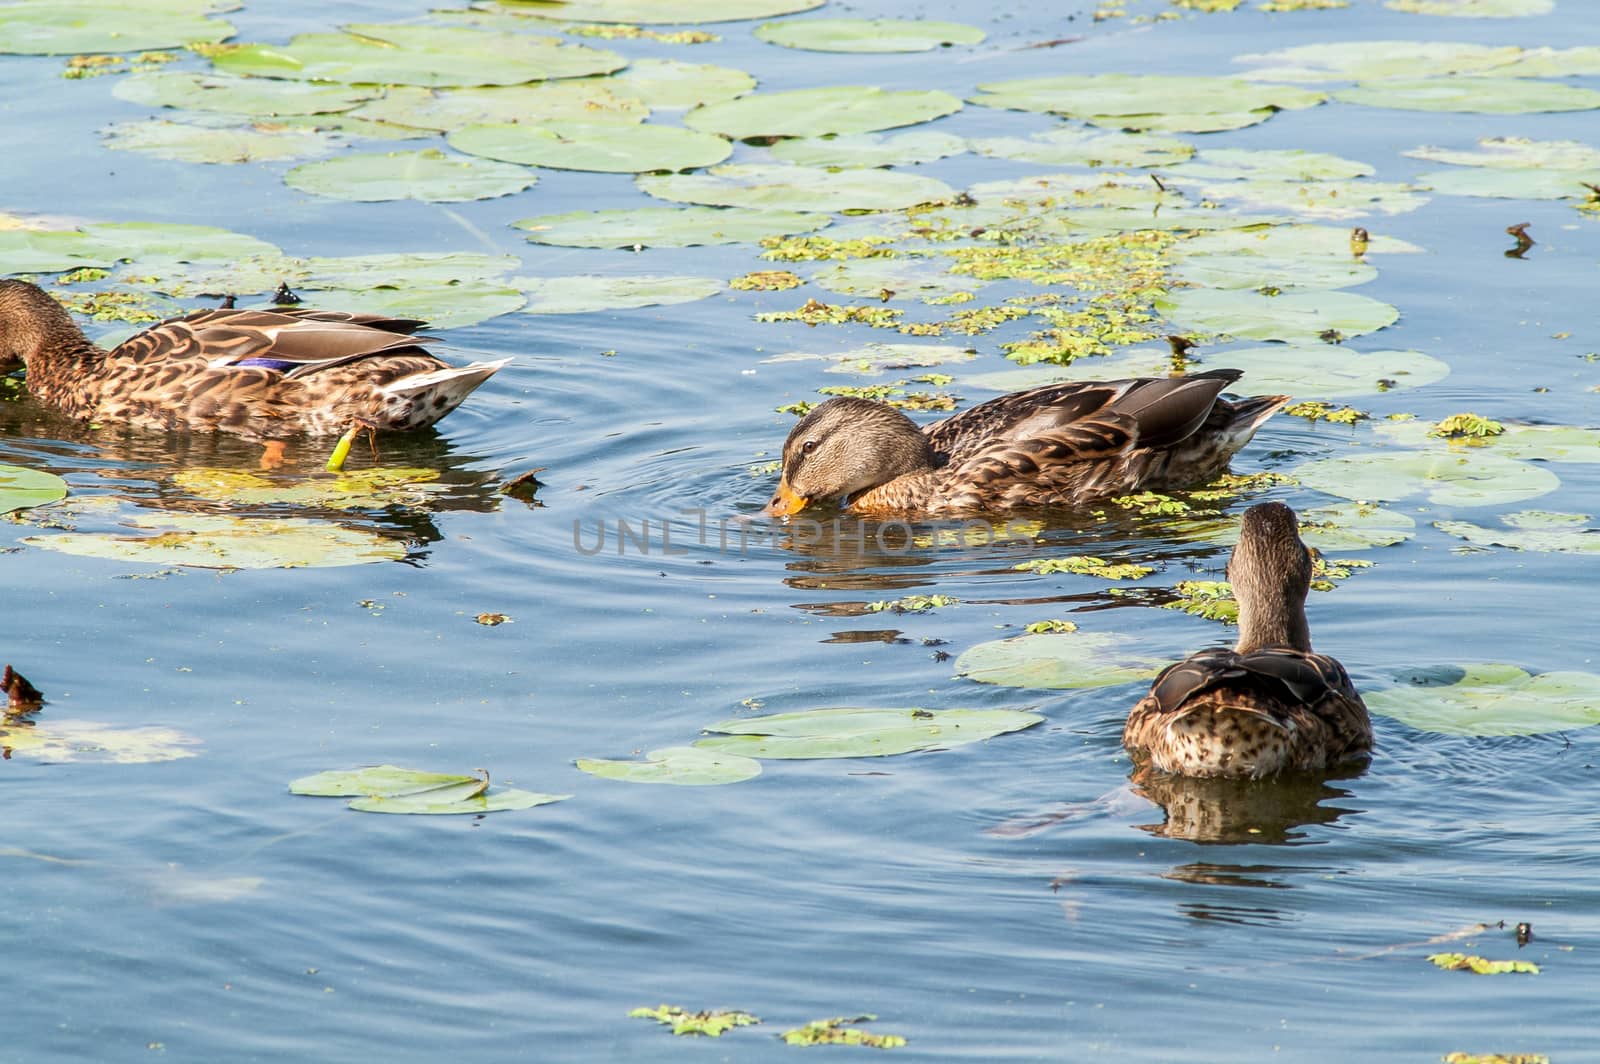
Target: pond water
column 1014, row 899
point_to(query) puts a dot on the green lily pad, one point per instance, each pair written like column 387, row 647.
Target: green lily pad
column 390, row 789
column 580, row 294
column 1353, row 526
column 1548, row 443
column 873, row 360
column 1473, row 8
column 1127, row 362
column 827, row 733
column 193, row 91
column 685, row 766
column 61, row 741
column 418, row 55
column 1536, row 530
column 1489, row 699
column 70, row 27
column 1553, row 63
column 1374, row 60
column 1262, row 271
column 1292, row 316
column 868, row 34
column 587, row 100
column 1447, row 478
column 1516, row 153
column 861, row 150
column 666, row 227
column 1240, row 164
column 1329, row 371
column 208, row 542
column 1078, row 190
column 818, row 112
column 1479, row 95
column 1058, row 661
column 607, row 147
column 22, row 488
column 175, row 240
column 354, row 489
column 798, row 188
column 1316, row 199
column 1161, row 102
column 442, row 306
column 1072, row 146
column 414, row 269
column 672, row 85
column 661, row 12
column 1292, row 241
column 906, row 278
column 352, row 126
column 201, row 142
column 51, row 251
column 428, row 175
column 1511, row 184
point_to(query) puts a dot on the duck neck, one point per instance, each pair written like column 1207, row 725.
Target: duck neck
column 61, row 361
column 1267, row 620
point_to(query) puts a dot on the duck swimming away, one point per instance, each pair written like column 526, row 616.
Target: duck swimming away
column 265, row 374
column 1270, row 704
column 1055, row 445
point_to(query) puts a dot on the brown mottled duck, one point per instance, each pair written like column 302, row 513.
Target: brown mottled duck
column 1056, row 445
column 266, row 374
column 1271, row 704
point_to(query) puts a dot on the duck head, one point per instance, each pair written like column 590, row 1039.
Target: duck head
column 845, row 446
column 1271, row 572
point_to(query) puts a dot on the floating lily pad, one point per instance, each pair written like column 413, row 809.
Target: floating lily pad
column 390, row 789
column 1549, row 443
column 875, row 359
column 1079, row 190
column 681, row 765
column 1162, row 102
column 1316, row 199
column 1536, row 530
column 1231, row 164
column 1474, row 8
column 414, row 269
column 868, row 34
column 1292, row 241
column 672, row 85
column 1373, row 60
column 183, row 242
column 1516, row 153
column 198, row 142
column 666, row 227
column 442, row 306
column 904, row 277
column 1553, row 63
column 1058, row 662
column 1329, row 371
column 1499, row 96
column 798, row 188
column 1291, row 316
column 586, row 100
column 818, row 112
column 580, row 294
column 1071, row 146
column 860, row 150
column 363, row 489
column 59, row 741
column 69, row 27
column 429, row 175
column 1127, row 362
column 193, row 91
column 1261, row 271
column 607, row 147
column 662, row 12
column 1512, row 184
column 350, row 125
column 1354, row 526
column 51, row 251
column 22, row 488
column 210, row 542
column 418, row 55
column 1447, row 478
column 1489, row 699
column 826, row 733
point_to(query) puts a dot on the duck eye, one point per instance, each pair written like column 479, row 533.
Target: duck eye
column 808, row 446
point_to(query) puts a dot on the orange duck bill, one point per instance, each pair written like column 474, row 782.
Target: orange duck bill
column 785, row 502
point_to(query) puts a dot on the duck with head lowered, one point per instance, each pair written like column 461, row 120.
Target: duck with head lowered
column 1268, row 705
column 265, row 374
column 1055, row 445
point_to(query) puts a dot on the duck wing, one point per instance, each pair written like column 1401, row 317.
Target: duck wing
column 295, row 343
column 1276, row 674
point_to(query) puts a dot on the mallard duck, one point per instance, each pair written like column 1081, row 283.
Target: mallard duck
column 261, row 373
column 1056, row 445
column 1268, row 705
